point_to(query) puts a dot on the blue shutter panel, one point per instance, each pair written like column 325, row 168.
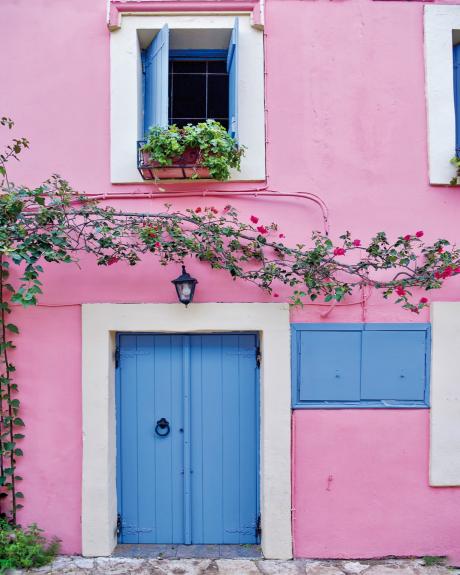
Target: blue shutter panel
column 330, row 365
column 156, row 61
column 232, row 69
column 393, row 365
column 457, row 97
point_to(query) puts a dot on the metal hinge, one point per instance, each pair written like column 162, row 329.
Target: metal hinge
column 117, row 356
column 258, row 356
column 119, row 525
column 258, row 528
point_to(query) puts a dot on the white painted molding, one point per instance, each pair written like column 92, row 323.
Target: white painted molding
column 440, row 20
column 126, row 90
column 100, row 323
column 445, row 395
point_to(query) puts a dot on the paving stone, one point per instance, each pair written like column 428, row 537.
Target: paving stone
column 394, row 569
column 237, row 567
column 354, row 566
column 84, row 563
column 274, row 567
column 322, row 568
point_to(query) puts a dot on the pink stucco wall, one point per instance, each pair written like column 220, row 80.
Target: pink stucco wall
column 361, row 487
column 346, row 120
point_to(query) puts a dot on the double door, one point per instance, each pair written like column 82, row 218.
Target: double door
column 187, row 438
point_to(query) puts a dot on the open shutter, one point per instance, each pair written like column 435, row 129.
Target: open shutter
column 232, row 69
column 457, row 97
column 156, row 60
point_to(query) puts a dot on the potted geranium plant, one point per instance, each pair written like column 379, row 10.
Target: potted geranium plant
column 203, row 150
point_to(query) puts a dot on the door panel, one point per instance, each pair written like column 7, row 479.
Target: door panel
column 200, row 483
column 151, row 467
column 224, row 435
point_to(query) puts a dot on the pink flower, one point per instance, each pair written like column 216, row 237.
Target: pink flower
column 419, row 234
column 197, row 210
column 356, row 243
column 440, row 250
column 276, row 295
column 214, row 211
column 112, row 260
column 157, row 245
column 254, row 219
column 227, row 209
column 414, row 310
column 407, row 237
column 281, row 236
column 438, row 275
column 423, row 300
column 339, row 252
column 262, row 230
column 456, row 270
column 400, row 291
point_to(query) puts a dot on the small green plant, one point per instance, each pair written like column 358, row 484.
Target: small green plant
column 433, row 560
column 217, row 150
column 24, row 548
column 455, row 161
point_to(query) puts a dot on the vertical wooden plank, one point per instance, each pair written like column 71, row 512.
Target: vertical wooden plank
column 248, row 438
column 186, row 435
column 129, row 438
column 146, row 504
column 196, row 434
column 231, row 440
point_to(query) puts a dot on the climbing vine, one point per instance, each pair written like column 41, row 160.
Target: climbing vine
column 54, row 224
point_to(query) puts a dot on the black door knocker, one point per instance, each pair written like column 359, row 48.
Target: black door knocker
column 162, row 427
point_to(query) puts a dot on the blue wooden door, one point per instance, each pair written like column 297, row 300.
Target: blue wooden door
column 199, row 482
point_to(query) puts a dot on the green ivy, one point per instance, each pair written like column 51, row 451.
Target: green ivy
column 218, row 151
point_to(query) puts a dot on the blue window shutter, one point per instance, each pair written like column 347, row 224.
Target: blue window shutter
column 156, row 61
column 394, row 365
column 232, row 69
column 330, row 365
column 457, row 97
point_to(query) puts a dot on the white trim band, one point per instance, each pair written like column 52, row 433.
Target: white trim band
column 445, row 395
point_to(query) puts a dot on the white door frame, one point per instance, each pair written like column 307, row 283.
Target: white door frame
column 100, row 323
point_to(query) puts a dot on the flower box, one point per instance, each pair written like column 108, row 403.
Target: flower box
column 184, row 167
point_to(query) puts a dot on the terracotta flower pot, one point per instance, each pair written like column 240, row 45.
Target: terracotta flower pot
column 183, row 167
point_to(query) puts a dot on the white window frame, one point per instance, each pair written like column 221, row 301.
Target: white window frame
column 126, row 89
column 440, row 21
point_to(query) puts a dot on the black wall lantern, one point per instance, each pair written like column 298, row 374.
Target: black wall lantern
column 185, row 287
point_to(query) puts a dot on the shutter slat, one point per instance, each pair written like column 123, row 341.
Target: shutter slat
column 156, row 61
column 232, row 69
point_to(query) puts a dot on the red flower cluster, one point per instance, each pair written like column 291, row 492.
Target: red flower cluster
column 262, row 230
column 423, row 300
column 356, row 243
column 449, row 271
column 112, row 260
column 339, row 252
column 197, row 210
column 400, row 291
column 254, row 219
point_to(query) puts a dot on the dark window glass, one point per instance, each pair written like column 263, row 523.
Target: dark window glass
column 218, row 96
column 189, row 66
column 217, row 67
column 198, row 90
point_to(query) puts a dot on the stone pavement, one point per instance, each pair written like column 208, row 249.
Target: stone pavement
column 199, row 566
